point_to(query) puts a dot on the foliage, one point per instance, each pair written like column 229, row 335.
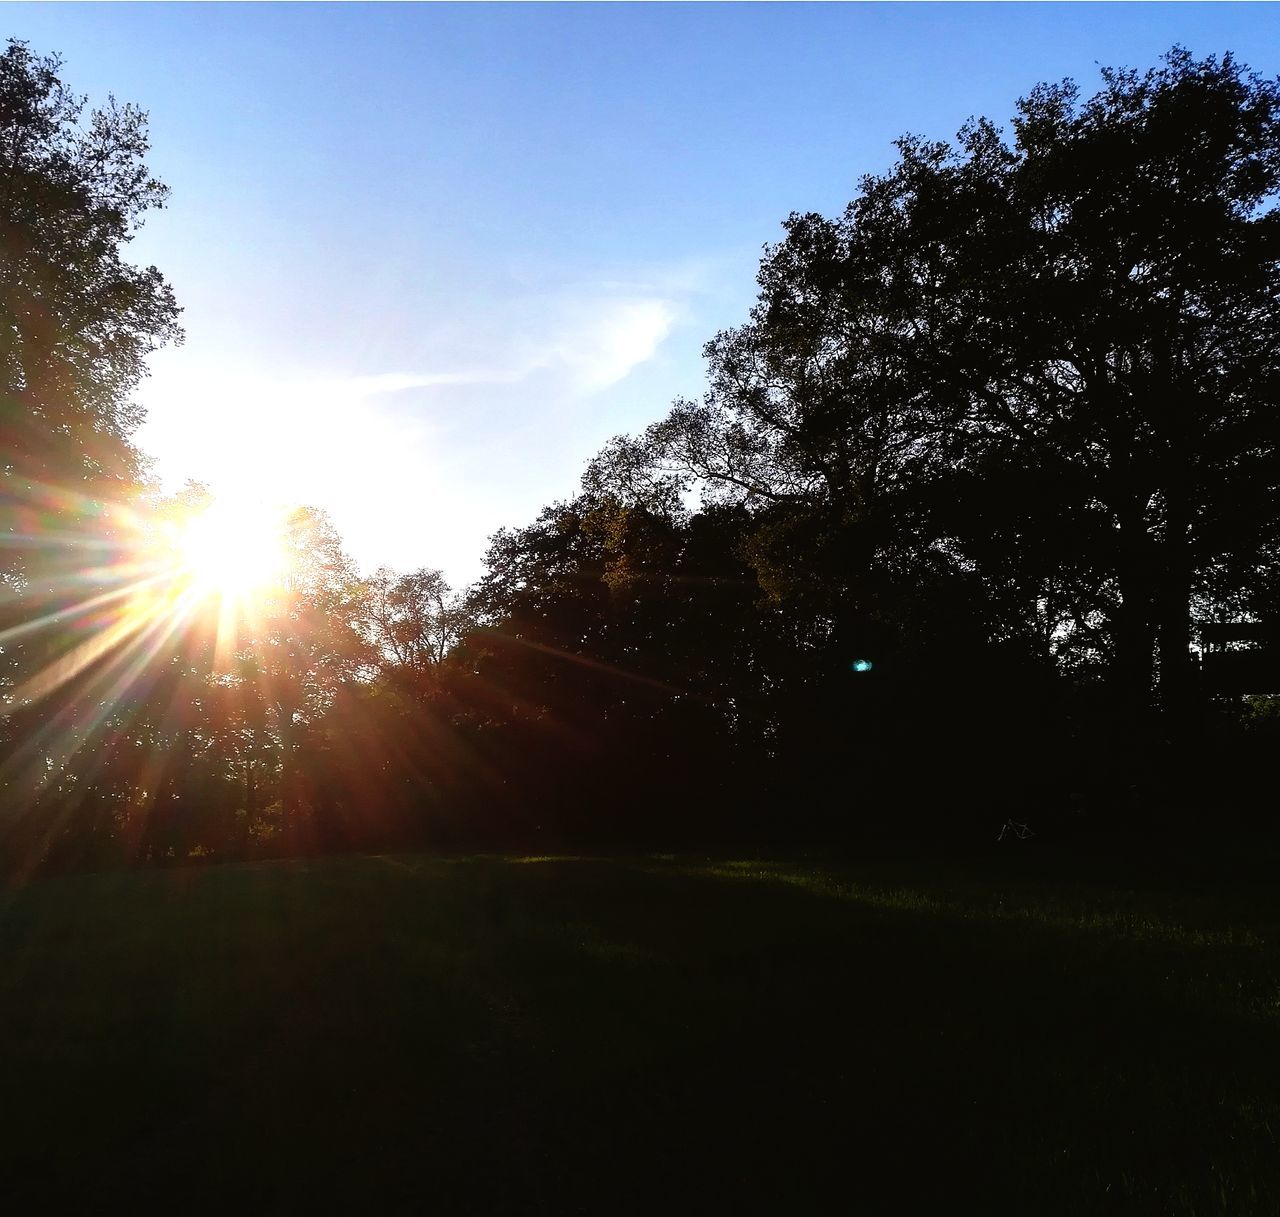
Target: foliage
column 928, row 552
column 76, row 320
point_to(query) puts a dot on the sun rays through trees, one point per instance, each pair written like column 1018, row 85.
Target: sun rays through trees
column 933, row 549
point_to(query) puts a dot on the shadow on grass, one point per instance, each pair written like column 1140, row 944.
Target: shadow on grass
column 575, row 1035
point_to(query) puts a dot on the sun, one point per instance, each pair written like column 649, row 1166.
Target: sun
column 233, row 549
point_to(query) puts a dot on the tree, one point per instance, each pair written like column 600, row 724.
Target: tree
column 76, row 323
column 1033, row 379
column 308, row 645
column 76, row 320
column 414, row 619
column 1121, row 335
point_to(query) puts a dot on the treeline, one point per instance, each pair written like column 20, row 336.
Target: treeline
column 929, row 555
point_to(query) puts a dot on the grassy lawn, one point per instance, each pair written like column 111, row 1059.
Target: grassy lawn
column 661, row 1034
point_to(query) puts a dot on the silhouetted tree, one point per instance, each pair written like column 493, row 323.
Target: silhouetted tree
column 1044, row 368
column 928, row 549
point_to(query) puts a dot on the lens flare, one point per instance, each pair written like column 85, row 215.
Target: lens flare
column 233, row 549
column 106, row 600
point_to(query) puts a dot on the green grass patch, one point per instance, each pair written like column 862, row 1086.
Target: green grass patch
column 590, row 1035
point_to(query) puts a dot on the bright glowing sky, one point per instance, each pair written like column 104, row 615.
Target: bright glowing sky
column 432, row 257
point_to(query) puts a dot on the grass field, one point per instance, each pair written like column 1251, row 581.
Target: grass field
column 660, row 1034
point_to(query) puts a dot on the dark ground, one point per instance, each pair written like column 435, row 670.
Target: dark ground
column 1010, row 1034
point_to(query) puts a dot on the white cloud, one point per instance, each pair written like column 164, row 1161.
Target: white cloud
column 607, row 340
column 582, row 341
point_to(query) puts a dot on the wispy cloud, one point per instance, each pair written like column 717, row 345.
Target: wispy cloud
column 601, row 349
column 495, row 407
column 582, row 342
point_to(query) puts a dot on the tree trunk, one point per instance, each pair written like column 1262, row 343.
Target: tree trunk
column 1177, row 691
column 1134, row 635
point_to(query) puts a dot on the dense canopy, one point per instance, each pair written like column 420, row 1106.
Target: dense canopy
column 934, row 546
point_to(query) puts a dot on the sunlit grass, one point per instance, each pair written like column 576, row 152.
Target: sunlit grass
column 1053, row 909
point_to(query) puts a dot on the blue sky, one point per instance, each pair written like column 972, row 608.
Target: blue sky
column 433, row 256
